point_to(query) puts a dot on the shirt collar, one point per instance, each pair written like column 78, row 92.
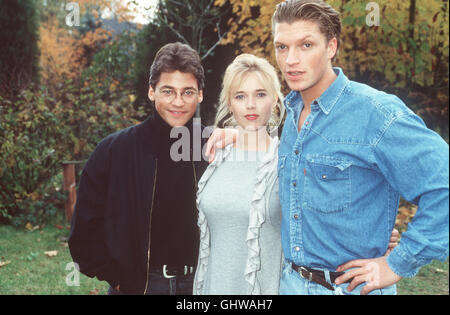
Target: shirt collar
column 328, row 99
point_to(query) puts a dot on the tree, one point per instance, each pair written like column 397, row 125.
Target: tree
column 199, row 24
column 195, row 23
column 19, row 54
column 407, row 54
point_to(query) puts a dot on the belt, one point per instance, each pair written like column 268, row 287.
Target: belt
column 318, row 276
column 170, row 272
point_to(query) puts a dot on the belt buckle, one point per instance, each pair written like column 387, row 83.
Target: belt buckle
column 309, row 273
column 188, row 270
column 165, row 273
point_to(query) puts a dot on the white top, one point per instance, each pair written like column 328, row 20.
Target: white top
column 240, row 222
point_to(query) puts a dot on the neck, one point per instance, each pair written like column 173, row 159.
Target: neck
column 253, row 140
column 314, row 92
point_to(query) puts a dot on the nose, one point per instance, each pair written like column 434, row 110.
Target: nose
column 293, row 57
column 178, row 100
column 251, row 104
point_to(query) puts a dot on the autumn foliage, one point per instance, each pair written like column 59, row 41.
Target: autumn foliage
column 84, row 94
column 407, row 54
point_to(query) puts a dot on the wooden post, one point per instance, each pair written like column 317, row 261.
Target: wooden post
column 70, row 187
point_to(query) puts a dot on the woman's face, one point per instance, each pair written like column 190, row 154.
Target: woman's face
column 251, row 103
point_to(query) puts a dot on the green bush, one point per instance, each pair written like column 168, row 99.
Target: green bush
column 32, row 146
column 38, row 133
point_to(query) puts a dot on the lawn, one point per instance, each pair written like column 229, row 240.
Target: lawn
column 34, row 261
column 27, row 269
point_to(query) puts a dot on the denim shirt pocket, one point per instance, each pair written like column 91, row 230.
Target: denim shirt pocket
column 281, row 165
column 327, row 186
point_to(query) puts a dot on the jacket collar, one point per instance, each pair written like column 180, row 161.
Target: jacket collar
column 327, row 100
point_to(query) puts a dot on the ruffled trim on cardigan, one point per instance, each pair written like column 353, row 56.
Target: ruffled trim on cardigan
column 265, row 177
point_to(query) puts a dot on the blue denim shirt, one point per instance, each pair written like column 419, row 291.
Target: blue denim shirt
column 342, row 176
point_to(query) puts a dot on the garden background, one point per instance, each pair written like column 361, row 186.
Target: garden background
column 72, row 72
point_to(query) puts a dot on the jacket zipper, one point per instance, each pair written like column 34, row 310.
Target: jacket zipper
column 150, row 227
column 195, row 177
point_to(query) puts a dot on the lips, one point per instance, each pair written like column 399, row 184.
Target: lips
column 176, row 113
column 294, row 75
column 251, row 117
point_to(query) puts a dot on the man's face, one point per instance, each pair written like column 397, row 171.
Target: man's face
column 176, row 97
column 303, row 55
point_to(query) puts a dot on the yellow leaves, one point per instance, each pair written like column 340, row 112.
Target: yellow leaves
column 58, row 53
column 112, row 87
column 34, row 196
column 80, row 144
column 404, row 216
column 253, row 35
column 30, row 227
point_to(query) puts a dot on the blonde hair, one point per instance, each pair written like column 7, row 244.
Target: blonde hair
column 235, row 73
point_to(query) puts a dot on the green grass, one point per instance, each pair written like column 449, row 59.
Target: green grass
column 30, row 271
column 431, row 280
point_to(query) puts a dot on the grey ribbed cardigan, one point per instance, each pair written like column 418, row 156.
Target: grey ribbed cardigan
column 240, row 251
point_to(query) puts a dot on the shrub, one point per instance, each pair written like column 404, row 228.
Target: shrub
column 32, row 146
column 38, row 133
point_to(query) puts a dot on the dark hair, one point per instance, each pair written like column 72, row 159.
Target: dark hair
column 177, row 57
column 310, row 10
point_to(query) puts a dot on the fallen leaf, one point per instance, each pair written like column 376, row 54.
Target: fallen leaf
column 59, row 227
column 94, row 292
column 31, row 228
column 51, row 253
column 4, row 263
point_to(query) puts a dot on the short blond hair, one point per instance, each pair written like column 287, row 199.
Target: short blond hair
column 235, row 74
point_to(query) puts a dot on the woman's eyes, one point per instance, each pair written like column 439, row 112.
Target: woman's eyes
column 241, row 97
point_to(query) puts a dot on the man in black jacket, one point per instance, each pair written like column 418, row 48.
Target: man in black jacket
column 135, row 220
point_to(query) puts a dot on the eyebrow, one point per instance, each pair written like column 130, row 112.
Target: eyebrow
column 260, row 90
column 183, row 89
column 300, row 40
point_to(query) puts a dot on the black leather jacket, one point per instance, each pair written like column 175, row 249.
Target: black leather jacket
column 111, row 227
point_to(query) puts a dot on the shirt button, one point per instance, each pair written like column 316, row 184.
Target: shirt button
column 297, row 248
column 295, row 184
column 296, row 216
column 297, row 152
column 307, row 123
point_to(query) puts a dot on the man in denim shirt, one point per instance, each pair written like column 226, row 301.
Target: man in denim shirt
column 347, row 154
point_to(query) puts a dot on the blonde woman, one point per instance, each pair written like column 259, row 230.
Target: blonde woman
column 239, row 208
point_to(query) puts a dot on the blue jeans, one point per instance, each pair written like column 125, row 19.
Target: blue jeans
column 291, row 283
column 159, row 285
